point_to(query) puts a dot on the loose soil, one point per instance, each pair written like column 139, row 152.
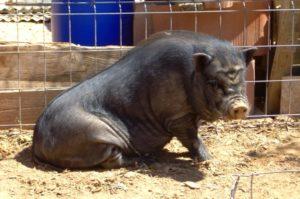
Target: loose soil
column 237, row 147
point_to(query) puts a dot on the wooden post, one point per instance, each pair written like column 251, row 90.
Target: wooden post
column 290, row 103
column 283, row 58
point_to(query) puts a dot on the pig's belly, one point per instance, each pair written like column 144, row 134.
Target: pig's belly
column 147, row 140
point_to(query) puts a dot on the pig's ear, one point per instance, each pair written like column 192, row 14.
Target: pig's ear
column 201, row 60
column 248, row 54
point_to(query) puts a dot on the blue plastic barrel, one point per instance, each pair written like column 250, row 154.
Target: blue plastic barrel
column 92, row 22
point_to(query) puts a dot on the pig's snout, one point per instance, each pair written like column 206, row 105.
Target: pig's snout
column 238, row 110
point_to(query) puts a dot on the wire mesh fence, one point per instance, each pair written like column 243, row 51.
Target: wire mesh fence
column 251, row 179
column 48, row 46
column 42, row 69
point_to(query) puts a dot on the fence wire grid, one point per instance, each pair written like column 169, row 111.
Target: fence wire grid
column 34, row 69
column 271, row 26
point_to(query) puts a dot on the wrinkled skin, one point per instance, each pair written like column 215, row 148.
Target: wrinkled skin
column 159, row 90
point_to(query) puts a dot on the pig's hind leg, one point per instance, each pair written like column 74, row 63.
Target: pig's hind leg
column 114, row 151
column 96, row 155
column 117, row 159
column 81, row 141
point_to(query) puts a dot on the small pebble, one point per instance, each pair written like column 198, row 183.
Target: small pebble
column 120, row 185
column 130, row 174
column 191, row 185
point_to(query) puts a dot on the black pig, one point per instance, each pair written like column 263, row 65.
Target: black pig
column 159, row 90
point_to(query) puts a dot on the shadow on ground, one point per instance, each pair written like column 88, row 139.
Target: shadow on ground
column 177, row 166
column 25, row 158
column 288, row 151
column 165, row 165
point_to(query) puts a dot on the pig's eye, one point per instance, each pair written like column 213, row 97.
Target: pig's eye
column 218, row 86
column 212, row 83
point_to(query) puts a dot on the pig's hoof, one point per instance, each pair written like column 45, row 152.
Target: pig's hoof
column 200, row 158
column 142, row 162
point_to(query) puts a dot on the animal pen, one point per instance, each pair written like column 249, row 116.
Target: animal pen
column 47, row 47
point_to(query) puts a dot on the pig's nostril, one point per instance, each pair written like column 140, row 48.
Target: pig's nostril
column 239, row 112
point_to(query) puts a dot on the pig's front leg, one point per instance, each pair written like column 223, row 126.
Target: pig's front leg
column 198, row 149
column 185, row 129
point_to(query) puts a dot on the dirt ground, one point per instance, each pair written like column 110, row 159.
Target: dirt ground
column 237, row 147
